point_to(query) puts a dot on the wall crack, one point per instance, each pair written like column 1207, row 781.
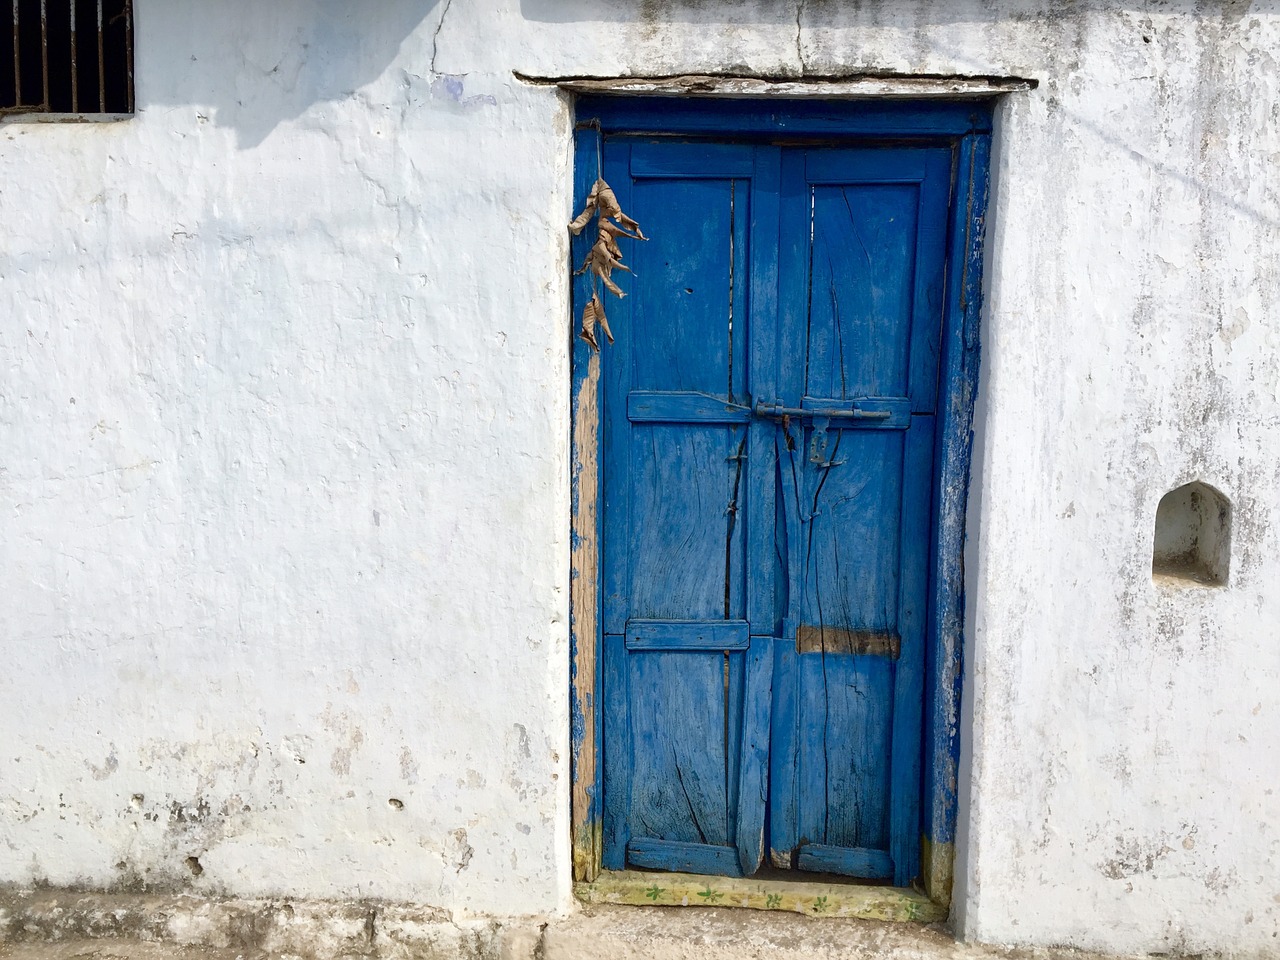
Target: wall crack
column 804, row 68
column 435, row 37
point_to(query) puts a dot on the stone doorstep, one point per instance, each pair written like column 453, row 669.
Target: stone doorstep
column 49, row 925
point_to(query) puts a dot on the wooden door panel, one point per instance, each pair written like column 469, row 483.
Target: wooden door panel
column 861, row 289
column 849, row 551
column 846, row 716
column 690, row 277
column 682, row 769
column 874, row 286
column 686, row 546
column 686, row 686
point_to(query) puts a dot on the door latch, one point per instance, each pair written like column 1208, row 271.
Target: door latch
column 776, row 411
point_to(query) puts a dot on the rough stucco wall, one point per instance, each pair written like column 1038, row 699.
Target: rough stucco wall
column 298, row 546
column 283, row 424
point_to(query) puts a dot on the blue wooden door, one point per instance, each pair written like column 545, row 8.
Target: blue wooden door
column 768, row 462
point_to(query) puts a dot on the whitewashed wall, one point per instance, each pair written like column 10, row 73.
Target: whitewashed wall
column 283, row 454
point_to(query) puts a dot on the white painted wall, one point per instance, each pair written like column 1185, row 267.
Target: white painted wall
column 283, row 422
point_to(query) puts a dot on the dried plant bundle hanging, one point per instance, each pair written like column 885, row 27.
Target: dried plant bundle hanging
column 605, row 255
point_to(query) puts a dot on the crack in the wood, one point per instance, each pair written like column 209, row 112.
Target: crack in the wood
column 732, row 511
column 693, row 814
column 817, row 594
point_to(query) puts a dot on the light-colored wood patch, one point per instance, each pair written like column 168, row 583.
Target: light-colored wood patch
column 823, row 639
column 584, row 564
column 938, row 860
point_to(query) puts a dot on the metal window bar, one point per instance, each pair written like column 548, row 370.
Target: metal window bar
column 57, row 83
column 128, row 50
column 75, row 68
column 44, row 51
column 17, row 56
column 102, row 64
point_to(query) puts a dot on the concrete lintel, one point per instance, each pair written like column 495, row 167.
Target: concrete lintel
column 851, row 87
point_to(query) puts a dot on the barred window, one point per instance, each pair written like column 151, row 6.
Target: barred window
column 67, row 56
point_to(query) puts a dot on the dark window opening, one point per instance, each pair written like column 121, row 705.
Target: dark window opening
column 66, row 56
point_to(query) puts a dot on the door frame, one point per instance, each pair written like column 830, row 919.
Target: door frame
column 965, row 125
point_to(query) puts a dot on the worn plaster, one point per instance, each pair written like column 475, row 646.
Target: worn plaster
column 284, row 416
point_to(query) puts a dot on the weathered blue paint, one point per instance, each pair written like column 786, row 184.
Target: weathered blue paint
column 789, row 118
column 851, row 861
column 700, row 548
column 863, row 241
column 687, row 634
column 674, row 542
column 960, row 360
column 753, row 784
column 584, row 605
column 683, row 857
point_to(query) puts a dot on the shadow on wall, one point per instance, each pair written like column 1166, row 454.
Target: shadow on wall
column 322, row 51
column 307, row 52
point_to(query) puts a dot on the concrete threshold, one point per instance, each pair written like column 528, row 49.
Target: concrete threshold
column 52, row 925
column 718, row 933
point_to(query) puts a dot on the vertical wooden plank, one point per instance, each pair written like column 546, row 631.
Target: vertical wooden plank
column 617, row 373
column 930, row 293
column 758, row 333
column 584, row 560
column 618, row 753
column 783, row 755
column 812, row 746
column 754, row 765
column 759, row 328
column 953, row 445
column 735, row 692
column 792, row 313
column 584, row 619
column 738, row 562
column 904, row 839
column 794, row 228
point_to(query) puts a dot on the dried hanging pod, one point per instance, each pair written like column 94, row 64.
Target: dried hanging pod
column 605, row 255
column 582, row 219
column 593, row 314
column 608, row 206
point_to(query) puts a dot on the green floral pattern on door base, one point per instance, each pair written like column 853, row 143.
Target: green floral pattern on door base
column 814, row 899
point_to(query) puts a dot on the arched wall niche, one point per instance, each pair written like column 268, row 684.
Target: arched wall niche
column 1192, row 543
